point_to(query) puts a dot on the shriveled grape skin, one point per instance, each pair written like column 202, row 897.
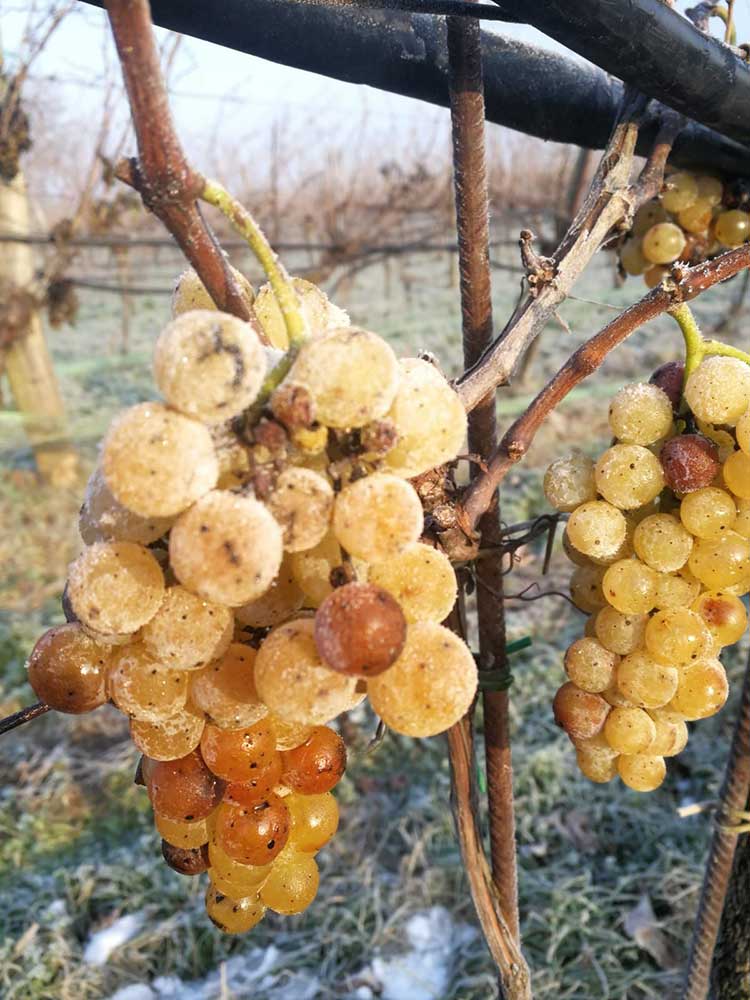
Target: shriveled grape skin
column 421, row 579
column 67, row 670
column 597, row 529
column 227, row 548
column 157, row 462
column 209, row 365
column 103, row 518
column 187, row 631
column 225, row 690
column 294, row 682
column 640, row 413
column 629, row 476
column 690, row 462
column 360, row 630
column 669, row 377
column 718, row 391
column 115, row 587
column 580, row 713
column 352, row 375
column 188, row 861
column 302, row 504
column 430, row 686
column 429, row 418
column 378, row 517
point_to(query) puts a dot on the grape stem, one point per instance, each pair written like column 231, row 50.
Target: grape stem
column 696, row 346
column 281, row 283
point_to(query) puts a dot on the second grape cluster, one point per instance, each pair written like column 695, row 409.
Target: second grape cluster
column 659, row 531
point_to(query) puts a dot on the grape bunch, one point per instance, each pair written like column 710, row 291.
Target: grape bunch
column 659, row 532
column 694, row 218
column 252, row 568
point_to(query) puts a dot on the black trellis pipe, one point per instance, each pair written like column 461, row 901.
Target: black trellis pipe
column 526, row 88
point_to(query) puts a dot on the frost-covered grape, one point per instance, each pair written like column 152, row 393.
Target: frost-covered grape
column 586, row 588
column 157, row 462
column 708, row 512
column 422, row 580
column 227, row 548
column 732, row 228
column 671, row 735
column 317, row 764
column 677, row 637
column 183, row 790
column 67, row 670
column 645, row 682
column 631, row 257
column 319, row 313
column 184, row 835
column 641, row 772
column 629, row 730
column 702, row 690
column 360, row 630
column 620, row 633
column 629, row 476
column 314, row 818
column 742, row 431
column 690, row 462
column 569, row 482
column 630, row 586
column 169, row 738
column 663, row 243
column 589, row 665
column 283, row 599
column 253, row 835
column 580, row 713
column 662, row 542
column 676, row 590
column 718, row 391
column 723, row 614
column 736, row 473
column 190, row 292
column 142, row 688
column 235, row 754
column 186, row 632
column 648, row 215
column 597, row 529
column 233, row 916
column 377, row 517
column 103, row 519
column 640, row 413
column 430, row 686
column 294, row 682
column 209, row 365
column 225, row 689
column 115, row 587
column 669, row 377
column 596, row 767
column 680, row 191
column 312, row 569
column 721, row 562
column 352, row 375
column 292, row 884
column 302, row 503
column 290, row 734
column 429, row 418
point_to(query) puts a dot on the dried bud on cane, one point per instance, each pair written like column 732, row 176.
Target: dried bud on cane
column 293, row 406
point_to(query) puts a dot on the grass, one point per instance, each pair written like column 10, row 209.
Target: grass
column 77, row 846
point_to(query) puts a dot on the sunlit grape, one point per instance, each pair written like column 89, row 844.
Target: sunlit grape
column 641, row 772
column 708, row 512
column 225, row 689
column 314, row 818
column 671, row 735
column 235, row 754
column 732, row 228
column 422, row 580
column 630, row 586
column 233, row 916
column 253, row 835
column 302, row 503
column 359, row 630
column 640, row 413
column 580, row 713
column 319, row 313
column 104, row 519
column 690, row 462
column 232, row 877
column 67, row 670
column 629, row 730
column 317, row 764
column 292, row 884
column 620, row 633
column 169, row 738
column 662, row 542
column 721, row 562
column 736, row 471
column 702, row 690
column 597, row 529
column 589, row 665
column 190, row 292
column 680, row 191
column 724, row 615
column 645, row 682
column 142, row 688
column 569, row 482
column 377, row 517
column 157, row 462
column 718, row 391
column 629, row 475
column 596, row 767
column 187, row 631
column 696, row 218
column 663, row 243
column 227, row 548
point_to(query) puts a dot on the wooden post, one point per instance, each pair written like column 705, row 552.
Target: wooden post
column 27, row 362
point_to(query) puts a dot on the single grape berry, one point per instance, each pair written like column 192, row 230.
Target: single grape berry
column 317, row 765
column 253, row 835
column 690, row 462
column 183, row 790
column 580, row 713
column 67, row 670
column 235, row 754
column 233, row 916
column 185, row 860
column 360, row 630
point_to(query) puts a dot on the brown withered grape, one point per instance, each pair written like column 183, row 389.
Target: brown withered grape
column 183, row 789
column 669, row 377
column 360, row 630
column 580, row 713
column 690, row 462
column 185, row 860
column 67, row 670
column 317, row 765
